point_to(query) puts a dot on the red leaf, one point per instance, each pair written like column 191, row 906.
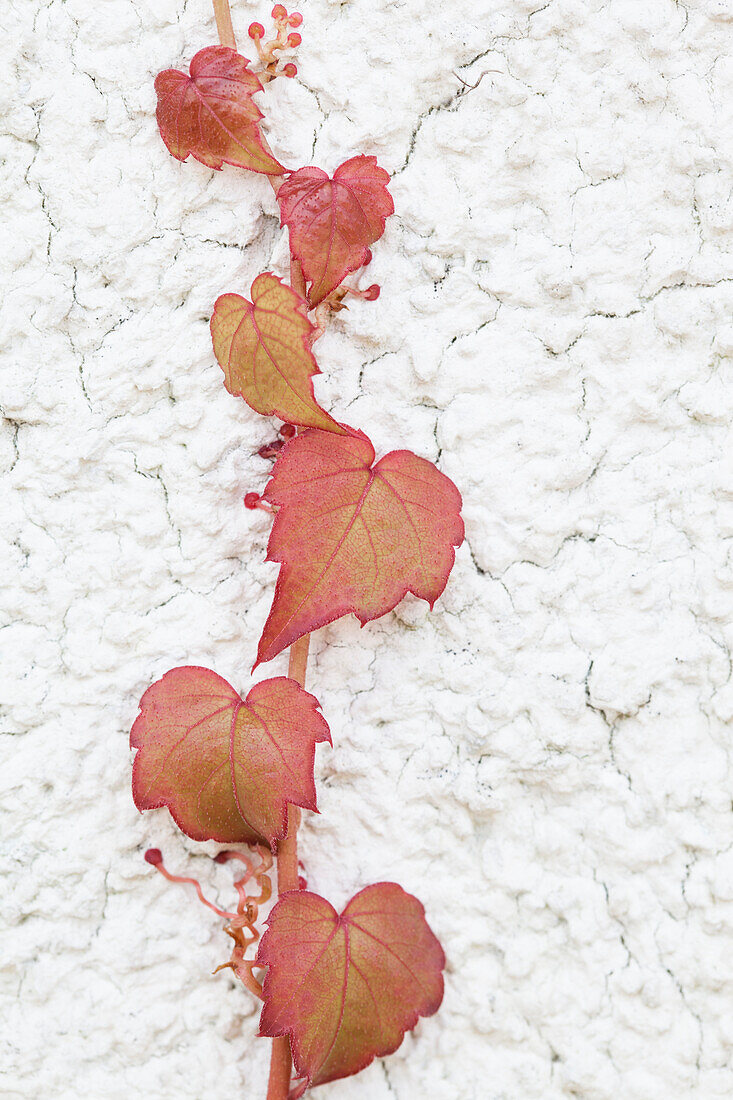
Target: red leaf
column 211, row 114
column 332, row 222
column 347, row 988
column 226, row 769
column 264, row 349
column 353, row 537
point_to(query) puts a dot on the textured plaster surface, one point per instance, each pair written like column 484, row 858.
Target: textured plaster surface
column 545, row 759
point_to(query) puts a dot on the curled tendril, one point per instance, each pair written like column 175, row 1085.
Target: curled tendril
column 242, row 924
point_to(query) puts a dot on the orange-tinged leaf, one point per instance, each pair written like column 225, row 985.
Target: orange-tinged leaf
column 353, row 536
column 264, row 349
column 332, row 222
column 211, row 113
column 346, row 988
column 226, row 768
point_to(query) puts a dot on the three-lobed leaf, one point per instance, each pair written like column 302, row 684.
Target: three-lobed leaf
column 226, row 768
column 346, row 988
column 332, row 221
column 264, row 349
column 210, row 113
column 352, row 536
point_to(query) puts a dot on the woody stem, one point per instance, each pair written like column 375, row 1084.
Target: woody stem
column 224, row 27
column 287, row 849
column 287, row 879
column 281, row 1063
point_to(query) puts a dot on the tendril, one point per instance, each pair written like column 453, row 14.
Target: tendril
column 284, row 40
column 242, row 924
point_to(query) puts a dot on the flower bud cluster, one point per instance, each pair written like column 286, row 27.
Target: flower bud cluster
column 284, row 39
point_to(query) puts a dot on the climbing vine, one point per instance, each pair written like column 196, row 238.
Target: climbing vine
column 352, row 535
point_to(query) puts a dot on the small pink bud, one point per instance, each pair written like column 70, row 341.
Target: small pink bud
column 295, row 19
column 372, row 292
column 290, row 70
column 154, row 856
column 294, row 39
column 251, row 500
column 287, row 431
column 256, row 30
column 279, row 12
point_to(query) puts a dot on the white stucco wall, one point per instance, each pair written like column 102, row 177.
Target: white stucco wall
column 545, row 759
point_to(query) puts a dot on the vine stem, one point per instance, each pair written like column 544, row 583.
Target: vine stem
column 287, row 849
column 281, row 1062
column 224, row 27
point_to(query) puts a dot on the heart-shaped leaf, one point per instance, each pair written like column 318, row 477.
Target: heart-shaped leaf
column 353, row 537
column 211, row 113
column 226, row 768
column 332, row 222
column 264, row 349
column 346, row 988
